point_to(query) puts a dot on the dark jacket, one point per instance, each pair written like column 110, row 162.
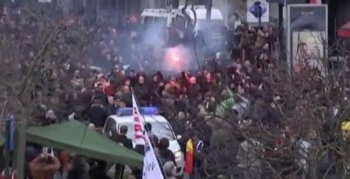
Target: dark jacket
column 98, row 115
column 167, row 155
column 100, row 95
column 141, row 91
column 125, row 141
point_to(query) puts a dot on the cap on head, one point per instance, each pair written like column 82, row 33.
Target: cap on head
column 91, row 126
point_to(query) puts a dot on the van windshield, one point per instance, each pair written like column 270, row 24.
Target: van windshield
column 203, row 24
column 160, row 129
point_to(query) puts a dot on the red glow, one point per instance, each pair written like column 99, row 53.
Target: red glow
column 177, row 59
column 173, row 59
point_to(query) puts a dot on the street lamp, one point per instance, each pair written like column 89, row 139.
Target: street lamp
column 257, row 10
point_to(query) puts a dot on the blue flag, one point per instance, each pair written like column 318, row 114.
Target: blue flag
column 10, row 129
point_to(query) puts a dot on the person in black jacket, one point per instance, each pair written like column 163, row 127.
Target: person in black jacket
column 164, row 153
column 98, row 113
column 148, row 128
column 100, row 94
column 123, row 139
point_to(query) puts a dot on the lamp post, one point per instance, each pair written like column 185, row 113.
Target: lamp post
column 8, row 144
column 258, row 9
column 209, row 6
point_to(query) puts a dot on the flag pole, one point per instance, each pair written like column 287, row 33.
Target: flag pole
column 259, row 9
column 119, row 171
column 6, row 151
column 8, row 144
column 143, row 122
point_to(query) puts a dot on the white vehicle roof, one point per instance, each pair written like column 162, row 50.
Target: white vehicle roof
column 158, row 13
column 147, row 118
column 201, row 12
column 160, row 126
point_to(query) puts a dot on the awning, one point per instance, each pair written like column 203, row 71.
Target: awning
column 77, row 138
column 344, row 31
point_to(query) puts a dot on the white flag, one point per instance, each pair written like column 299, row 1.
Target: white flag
column 151, row 169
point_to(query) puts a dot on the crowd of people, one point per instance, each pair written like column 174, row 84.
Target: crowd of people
column 107, row 63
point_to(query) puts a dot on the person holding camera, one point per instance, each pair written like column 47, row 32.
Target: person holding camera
column 44, row 165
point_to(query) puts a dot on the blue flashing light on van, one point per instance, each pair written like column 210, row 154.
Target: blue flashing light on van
column 125, row 111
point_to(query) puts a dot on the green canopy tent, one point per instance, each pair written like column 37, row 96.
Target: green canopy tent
column 2, row 140
column 77, row 138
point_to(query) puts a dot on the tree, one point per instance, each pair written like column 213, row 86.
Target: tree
column 307, row 107
column 34, row 47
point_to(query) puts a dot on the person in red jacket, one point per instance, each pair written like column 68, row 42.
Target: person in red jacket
column 109, row 91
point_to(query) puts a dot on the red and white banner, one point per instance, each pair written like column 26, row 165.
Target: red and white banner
column 138, row 126
column 151, row 169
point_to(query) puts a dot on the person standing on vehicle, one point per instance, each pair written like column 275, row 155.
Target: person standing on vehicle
column 148, row 128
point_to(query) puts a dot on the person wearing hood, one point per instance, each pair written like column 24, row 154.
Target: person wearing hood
column 99, row 92
column 148, row 128
column 122, row 138
column 164, row 153
column 98, row 113
column 141, row 90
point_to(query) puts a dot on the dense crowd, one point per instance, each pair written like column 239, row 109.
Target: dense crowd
column 112, row 63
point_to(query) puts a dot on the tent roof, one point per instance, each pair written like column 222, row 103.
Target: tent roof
column 77, row 138
column 2, row 140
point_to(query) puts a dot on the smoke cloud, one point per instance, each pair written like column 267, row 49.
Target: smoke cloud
column 153, row 34
column 171, row 59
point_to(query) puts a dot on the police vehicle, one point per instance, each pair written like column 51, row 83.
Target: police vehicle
column 175, row 16
column 160, row 19
column 160, row 127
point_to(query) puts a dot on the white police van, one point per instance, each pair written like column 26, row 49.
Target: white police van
column 160, row 127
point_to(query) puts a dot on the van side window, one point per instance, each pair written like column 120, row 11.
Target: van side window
column 110, row 126
column 159, row 20
column 147, row 19
column 180, row 22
